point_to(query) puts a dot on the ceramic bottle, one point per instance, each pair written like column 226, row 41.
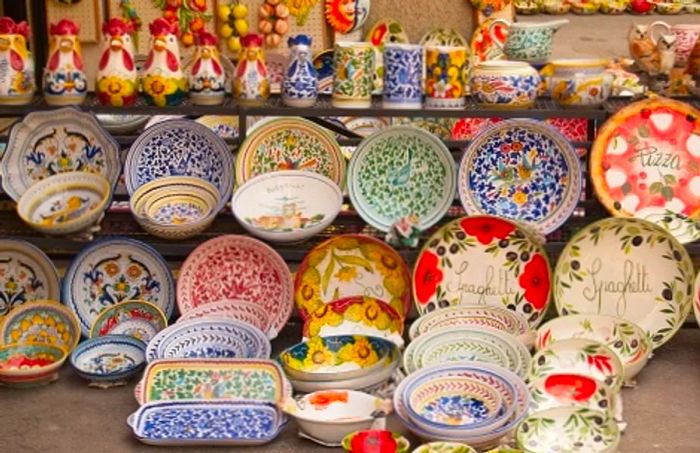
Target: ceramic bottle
column 300, row 86
column 251, row 84
column 117, row 78
column 162, row 78
column 65, row 82
column 207, row 78
column 16, row 64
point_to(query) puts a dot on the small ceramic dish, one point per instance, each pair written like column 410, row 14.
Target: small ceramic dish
column 65, row 203
column 287, row 206
column 574, row 390
column 237, row 310
column 375, row 440
column 110, row 360
column 29, row 365
column 41, row 322
column 444, row 447
column 135, row 318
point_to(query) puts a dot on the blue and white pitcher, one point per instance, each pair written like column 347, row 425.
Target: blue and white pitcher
column 300, row 86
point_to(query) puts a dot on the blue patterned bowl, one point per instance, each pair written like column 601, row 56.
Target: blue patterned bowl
column 110, row 358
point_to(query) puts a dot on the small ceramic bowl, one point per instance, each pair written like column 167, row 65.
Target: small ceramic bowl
column 574, row 390
column 375, row 441
column 444, row 447
column 287, row 206
column 373, row 381
column 506, row 84
column 580, row 82
column 135, row 318
column 29, row 365
column 109, row 360
column 65, row 203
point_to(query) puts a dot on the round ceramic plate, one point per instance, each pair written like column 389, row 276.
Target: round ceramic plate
column 112, row 271
column 627, row 268
column 223, row 126
column 236, row 267
column 323, row 62
column 645, row 163
column 523, row 170
column 135, row 318
column 352, row 265
column 440, row 127
column 571, row 390
column 180, row 148
column 26, row 274
column 483, row 260
column 443, row 37
column 482, row 46
column 41, row 322
column 574, row 129
column 401, row 171
column 384, row 32
column 468, row 128
column 290, row 144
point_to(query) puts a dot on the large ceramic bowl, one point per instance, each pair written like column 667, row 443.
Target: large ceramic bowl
column 30, row 364
column 287, row 206
column 444, row 447
column 375, row 440
column 110, row 359
column 580, row 82
column 574, row 390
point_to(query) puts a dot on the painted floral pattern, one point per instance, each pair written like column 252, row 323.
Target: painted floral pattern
column 575, row 390
column 320, row 354
column 178, row 213
column 133, row 318
column 366, row 311
column 39, row 322
column 354, row 73
column 24, row 277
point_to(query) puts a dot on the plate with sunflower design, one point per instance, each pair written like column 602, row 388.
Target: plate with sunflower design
column 352, row 265
column 483, row 260
column 523, row 170
column 44, row 321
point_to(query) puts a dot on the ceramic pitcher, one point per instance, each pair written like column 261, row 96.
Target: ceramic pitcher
column 445, row 77
column 16, row 63
column 117, row 79
column 251, row 83
column 64, row 79
column 527, row 41
column 300, row 85
column 164, row 83
column 403, row 76
column 686, row 37
column 206, row 76
column 353, row 74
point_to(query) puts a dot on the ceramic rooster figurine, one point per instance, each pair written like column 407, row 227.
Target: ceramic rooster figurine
column 164, row 83
column 117, row 80
column 64, row 79
column 207, row 79
column 251, row 84
column 16, row 63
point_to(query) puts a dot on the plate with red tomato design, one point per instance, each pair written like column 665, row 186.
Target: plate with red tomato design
column 483, row 260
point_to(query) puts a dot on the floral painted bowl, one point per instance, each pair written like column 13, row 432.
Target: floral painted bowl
column 136, row 318
column 41, row 322
column 571, row 390
column 29, row 365
column 444, row 447
column 287, row 206
column 373, row 441
column 109, row 360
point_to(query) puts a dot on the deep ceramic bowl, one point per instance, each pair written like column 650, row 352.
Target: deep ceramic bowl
column 287, row 206
column 109, row 358
column 580, row 82
column 506, row 84
column 444, row 447
column 28, row 365
column 375, row 440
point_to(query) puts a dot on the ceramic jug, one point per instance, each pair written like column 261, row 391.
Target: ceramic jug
column 117, row 78
column 65, row 82
column 500, row 83
column 207, row 80
column 686, row 37
column 16, row 63
column 527, row 41
column 403, row 76
column 353, row 76
column 164, row 83
column 445, row 70
column 251, row 83
column 300, row 85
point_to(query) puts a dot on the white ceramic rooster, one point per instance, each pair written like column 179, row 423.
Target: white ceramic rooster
column 64, row 79
column 207, row 79
column 16, row 64
column 164, row 83
column 117, row 80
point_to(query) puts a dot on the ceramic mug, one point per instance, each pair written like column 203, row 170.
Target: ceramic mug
column 502, row 83
column 580, row 82
column 403, row 76
column 353, row 76
column 527, row 41
column 445, row 77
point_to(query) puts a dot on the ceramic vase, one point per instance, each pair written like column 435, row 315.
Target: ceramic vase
column 527, row 41
column 403, row 76
column 65, row 82
column 445, row 77
column 300, row 85
column 206, row 76
column 251, row 83
column 580, row 82
column 499, row 83
column 353, row 74
column 162, row 79
column 16, row 64
column 117, row 79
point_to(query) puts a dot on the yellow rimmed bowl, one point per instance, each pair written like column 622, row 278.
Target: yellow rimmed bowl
column 30, row 365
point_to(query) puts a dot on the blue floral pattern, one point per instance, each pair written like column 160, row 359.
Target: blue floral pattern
column 505, row 89
column 301, row 78
column 403, row 75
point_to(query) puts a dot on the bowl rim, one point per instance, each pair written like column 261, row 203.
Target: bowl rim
column 340, row 422
column 38, row 370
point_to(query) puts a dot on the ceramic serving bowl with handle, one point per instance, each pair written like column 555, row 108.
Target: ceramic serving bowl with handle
column 109, row 360
column 30, row 365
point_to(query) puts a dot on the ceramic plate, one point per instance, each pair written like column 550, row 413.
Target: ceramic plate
column 57, row 141
column 26, row 274
column 523, row 170
column 627, row 268
column 483, row 260
column 41, row 322
column 135, row 318
column 574, row 390
column 276, row 63
column 223, row 126
column 364, row 126
column 482, row 46
column 290, row 144
column 383, row 32
column 236, row 309
column 401, row 171
column 323, row 62
column 236, row 267
column 112, row 271
column 468, row 128
column 352, row 265
column 574, row 129
column 443, row 37
column 645, row 163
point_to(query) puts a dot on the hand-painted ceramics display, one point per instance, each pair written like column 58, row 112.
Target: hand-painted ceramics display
column 163, row 82
column 627, row 268
column 352, row 265
column 30, row 365
column 109, row 361
column 523, row 170
column 234, row 309
column 65, row 82
column 375, row 440
column 346, row 16
column 383, row 33
column 580, row 82
column 57, row 141
column 251, row 84
column 401, row 171
column 482, row 46
column 207, row 80
column 571, row 390
column 238, row 267
column 16, row 63
column 445, row 76
column 527, row 41
column 26, row 274
column 116, row 82
column 505, row 84
column 468, row 128
column 41, row 322
column 323, row 62
column 300, row 85
column 353, row 75
column 135, row 318
column 402, row 76
column 483, row 260
column 114, row 270
column 645, row 163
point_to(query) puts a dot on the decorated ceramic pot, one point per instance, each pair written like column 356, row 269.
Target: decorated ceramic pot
column 505, row 84
column 16, row 63
column 64, row 79
column 571, row 390
column 375, row 441
column 445, row 77
column 580, row 82
column 117, row 78
column 346, row 16
column 30, row 365
column 527, row 41
column 403, row 76
column 206, row 75
column 251, row 83
column 353, row 77
column 163, row 81
column 300, row 85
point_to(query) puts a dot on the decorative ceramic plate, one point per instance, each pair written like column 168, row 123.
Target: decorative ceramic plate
column 236, row 309
column 352, row 265
column 180, row 148
column 570, row 390
column 135, row 318
column 627, row 268
column 41, row 322
column 364, row 126
column 223, row 126
column 523, row 170
column 401, row 171
column 443, row 37
column 290, row 144
column 645, row 163
column 57, row 141
column 468, row 128
column 26, row 274
column 440, row 127
column 323, row 62
column 383, row 32
column 276, row 64
column 483, row 260
column 574, row 129
column 482, row 46
column 112, row 271
column 236, row 267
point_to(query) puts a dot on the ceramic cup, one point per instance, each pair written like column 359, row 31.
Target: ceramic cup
column 353, row 76
column 501, row 83
column 445, row 77
column 580, row 82
column 686, row 37
column 527, row 41
column 403, row 76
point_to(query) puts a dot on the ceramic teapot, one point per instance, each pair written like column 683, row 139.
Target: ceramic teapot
column 117, row 79
column 16, row 63
column 527, row 41
column 64, row 79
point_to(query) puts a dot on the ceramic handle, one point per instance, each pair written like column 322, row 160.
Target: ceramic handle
column 657, row 24
column 492, row 32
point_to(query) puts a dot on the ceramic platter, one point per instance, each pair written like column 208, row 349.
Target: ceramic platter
column 482, row 46
column 57, row 141
column 135, row 318
column 523, row 170
column 114, row 270
column 385, row 31
column 352, row 265
column 180, row 148
column 26, row 274
column 223, row 126
column 290, row 144
column 236, row 267
column 401, row 171
column 483, row 260
column 629, row 268
column 41, row 322
column 323, row 62
column 645, row 163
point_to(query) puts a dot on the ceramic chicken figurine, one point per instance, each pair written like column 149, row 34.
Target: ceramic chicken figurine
column 16, row 63
column 117, row 79
column 64, row 79
column 164, row 83
column 207, row 79
column 251, row 84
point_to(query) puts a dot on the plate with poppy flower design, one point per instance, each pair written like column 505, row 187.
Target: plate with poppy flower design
column 523, row 170
column 483, row 260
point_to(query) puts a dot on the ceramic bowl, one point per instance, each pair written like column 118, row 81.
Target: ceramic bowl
column 329, row 416
column 568, row 429
column 574, row 390
column 669, row 8
column 580, row 82
column 373, row 381
column 28, row 365
column 65, row 203
column 375, row 440
column 135, row 318
column 237, row 310
column 122, row 124
column 444, row 447
column 502, row 83
column 109, row 359
column 41, row 322
column 287, row 206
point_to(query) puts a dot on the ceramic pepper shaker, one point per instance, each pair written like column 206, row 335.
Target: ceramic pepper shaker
column 164, row 83
column 207, row 78
column 16, row 64
column 117, row 79
column 251, row 84
column 64, row 79
column 300, row 86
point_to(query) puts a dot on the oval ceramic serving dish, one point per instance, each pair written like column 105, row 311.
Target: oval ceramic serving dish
column 41, row 322
column 110, row 358
column 30, row 365
column 575, row 390
column 136, row 318
column 234, row 309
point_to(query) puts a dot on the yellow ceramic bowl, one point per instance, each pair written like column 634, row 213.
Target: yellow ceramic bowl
column 29, row 365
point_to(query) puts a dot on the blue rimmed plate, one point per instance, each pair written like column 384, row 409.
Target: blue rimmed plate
column 110, row 358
